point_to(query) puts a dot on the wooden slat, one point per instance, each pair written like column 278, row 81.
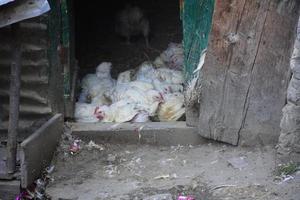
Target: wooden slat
column 14, row 100
column 241, row 32
column 35, row 69
column 37, row 150
column 226, row 20
column 270, row 75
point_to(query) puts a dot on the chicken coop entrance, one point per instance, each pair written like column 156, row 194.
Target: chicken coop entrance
column 132, row 36
column 97, row 40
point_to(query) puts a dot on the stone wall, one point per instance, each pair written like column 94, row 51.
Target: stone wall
column 289, row 141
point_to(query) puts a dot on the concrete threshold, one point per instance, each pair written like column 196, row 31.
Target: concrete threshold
column 152, row 133
column 9, row 189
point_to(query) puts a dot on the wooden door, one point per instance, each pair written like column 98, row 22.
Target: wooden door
column 246, row 71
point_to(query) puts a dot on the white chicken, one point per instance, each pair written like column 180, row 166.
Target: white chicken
column 142, row 116
column 121, row 111
column 125, row 77
column 158, row 62
column 86, row 112
column 167, row 88
column 88, row 81
column 170, row 75
column 173, row 56
column 147, row 100
column 101, row 99
column 122, row 90
column 172, row 109
column 144, row 86
column 146, row 73
column 151, row 101
column 98, row 87
column 94, row 85
column 103, row 70
column 154, row 89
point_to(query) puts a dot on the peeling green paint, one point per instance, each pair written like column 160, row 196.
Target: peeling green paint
column 196, row 18
column 65, row 23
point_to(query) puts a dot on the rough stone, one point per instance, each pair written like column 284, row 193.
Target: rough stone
column 288, row 149
column 295, row 67
column 293, row 93
column 289, row 140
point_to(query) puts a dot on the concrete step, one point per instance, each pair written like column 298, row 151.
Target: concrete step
column 9, row 189
column 152, row 133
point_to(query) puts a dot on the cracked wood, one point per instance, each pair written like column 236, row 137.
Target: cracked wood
column 244, row 81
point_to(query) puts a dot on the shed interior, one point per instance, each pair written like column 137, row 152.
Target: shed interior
column 96, row 40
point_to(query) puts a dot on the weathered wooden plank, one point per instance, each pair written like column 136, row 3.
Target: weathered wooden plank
column 27, row 94
column 56, row 77
column 35, row 70
column 229, row 71
column 37, row 150
column 218, row 77
column 244, row 43
column 14, row 100
column 270, row 75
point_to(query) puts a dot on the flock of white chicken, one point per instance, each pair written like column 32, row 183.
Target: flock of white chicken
column 153, row 91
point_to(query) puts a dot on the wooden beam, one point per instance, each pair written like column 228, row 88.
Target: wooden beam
column 37, row 150
column 14, row 99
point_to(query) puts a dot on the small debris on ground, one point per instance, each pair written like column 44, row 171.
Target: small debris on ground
column 75, row 147
column 184, row 197
column 286, row 172
column 136, row 172
column 111, row 158
column 37, row 190
column 159, row 197
column 238, row 162
column 92, row 145
column 167, row 176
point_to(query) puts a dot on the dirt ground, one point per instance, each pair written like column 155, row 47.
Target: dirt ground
column 132, row 172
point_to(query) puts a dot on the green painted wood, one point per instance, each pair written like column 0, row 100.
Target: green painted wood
column 65, row 23
column 65, row 41
column 68, row 55
column 196, row 18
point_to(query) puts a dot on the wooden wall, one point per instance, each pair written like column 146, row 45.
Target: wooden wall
column 41, row 73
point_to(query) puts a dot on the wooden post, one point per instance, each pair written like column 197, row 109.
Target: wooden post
column 14, row 99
